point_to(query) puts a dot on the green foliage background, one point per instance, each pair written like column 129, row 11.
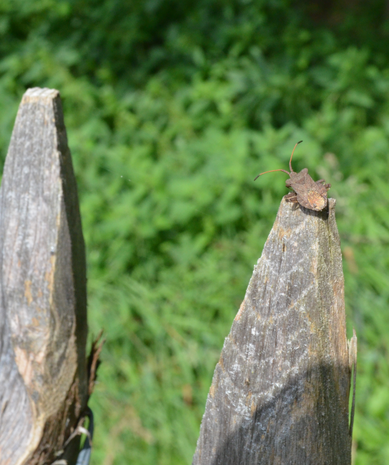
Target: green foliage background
column 172, row 108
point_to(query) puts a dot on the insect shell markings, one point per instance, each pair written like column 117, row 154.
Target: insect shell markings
column 307, row 192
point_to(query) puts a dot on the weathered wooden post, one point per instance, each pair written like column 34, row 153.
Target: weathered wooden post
column 280, row 390
column 43, row 321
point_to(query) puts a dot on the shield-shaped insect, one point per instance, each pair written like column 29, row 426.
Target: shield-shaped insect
column 306, row 191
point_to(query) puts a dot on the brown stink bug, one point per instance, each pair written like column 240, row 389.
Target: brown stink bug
column 306, row 191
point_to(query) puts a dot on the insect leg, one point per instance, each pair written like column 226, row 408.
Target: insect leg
column 291, row 197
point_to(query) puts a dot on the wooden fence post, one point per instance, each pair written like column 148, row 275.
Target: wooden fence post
column 43, row 321
column 280, row 390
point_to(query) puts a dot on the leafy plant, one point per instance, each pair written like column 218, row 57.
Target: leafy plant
column 172, row 109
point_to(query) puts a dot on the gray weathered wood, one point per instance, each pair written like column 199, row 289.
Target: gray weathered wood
column 43, row 324
column 280, row 390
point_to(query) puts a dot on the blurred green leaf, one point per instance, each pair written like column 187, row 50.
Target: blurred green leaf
column 172, row 109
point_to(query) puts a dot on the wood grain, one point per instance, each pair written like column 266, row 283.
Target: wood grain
column 43, row 323
column 280, row 390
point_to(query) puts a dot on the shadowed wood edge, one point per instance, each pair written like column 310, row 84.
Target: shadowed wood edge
column 280, row 389
column 43, row 321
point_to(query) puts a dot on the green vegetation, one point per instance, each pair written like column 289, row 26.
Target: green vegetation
column 172, row 108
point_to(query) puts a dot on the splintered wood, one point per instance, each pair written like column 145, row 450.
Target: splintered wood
column 280, row 390
column 43, row 323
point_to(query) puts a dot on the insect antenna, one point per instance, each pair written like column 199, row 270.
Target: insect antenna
column 271, row 171
column 290, row 161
